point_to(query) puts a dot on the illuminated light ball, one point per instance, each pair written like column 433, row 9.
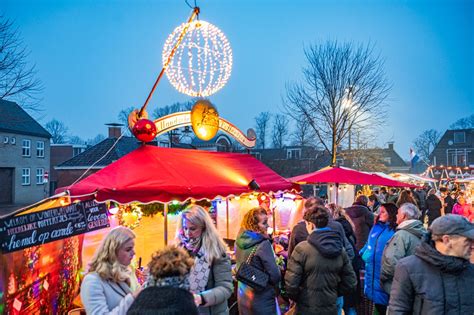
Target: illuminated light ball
column 204, row 120
column 144, row 130
column 202, row 62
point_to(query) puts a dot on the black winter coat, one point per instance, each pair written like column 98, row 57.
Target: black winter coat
column 363, row 220
column 433, row 206
column 430, row 283
column 165, row 300
column 300, row 234
column 249, row 300
column 449, row 204
column 319, row 271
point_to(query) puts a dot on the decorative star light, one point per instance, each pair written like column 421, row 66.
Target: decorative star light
column 202, row 62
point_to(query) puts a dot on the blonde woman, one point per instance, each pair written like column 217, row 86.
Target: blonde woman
column 110, row 286
column 210, row 279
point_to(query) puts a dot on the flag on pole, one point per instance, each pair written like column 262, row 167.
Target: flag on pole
column 413, row 157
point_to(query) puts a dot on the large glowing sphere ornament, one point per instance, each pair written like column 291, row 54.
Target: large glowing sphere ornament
column 144, row 130
column 204, row 120
column 202, row 62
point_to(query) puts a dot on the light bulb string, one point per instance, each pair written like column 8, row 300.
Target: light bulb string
column 195, row 14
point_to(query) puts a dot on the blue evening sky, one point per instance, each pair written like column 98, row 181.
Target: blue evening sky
column 98, row 57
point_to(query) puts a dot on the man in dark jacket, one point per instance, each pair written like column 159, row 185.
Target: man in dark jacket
column 362, row 218
column 420, row 195
column 403, row 243
column 300, row 233
column 319, row 269
column 438, row 279
column 448, row 200
column 434, row 206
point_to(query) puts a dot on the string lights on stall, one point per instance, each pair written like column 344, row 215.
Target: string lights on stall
column 129, row 216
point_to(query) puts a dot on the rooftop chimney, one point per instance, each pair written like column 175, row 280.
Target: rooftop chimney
column 390, row 145
column 115, row 130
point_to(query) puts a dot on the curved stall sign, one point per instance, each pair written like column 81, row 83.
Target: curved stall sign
column 169, row 122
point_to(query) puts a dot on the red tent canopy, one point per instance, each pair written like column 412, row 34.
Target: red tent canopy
column 344, row 175
column 151, row 174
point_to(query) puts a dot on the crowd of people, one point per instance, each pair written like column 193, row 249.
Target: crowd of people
column 406, row 252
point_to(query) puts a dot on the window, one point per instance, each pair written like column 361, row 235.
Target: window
column 387, row 160
column 40, row 149
column 39, row 176
column 458, row 157
column 459, row 137
column 25, row 176
column 340, row 161
column 25, row 149
column 256, row 155
column 293, row 154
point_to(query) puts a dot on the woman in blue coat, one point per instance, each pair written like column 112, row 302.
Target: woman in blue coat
column 381, row 232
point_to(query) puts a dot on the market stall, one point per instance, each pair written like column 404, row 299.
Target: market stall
column 338, row 176
column 158, row 180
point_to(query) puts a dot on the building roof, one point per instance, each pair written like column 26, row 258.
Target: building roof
column 395, row 159
column 93, row 154
column 15, row 119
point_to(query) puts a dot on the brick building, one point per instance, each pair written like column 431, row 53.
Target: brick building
column 24, row 157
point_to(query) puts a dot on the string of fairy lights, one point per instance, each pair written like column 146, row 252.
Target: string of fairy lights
column 203, row 61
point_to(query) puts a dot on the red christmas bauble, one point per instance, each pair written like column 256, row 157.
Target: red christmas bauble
column 144, row 130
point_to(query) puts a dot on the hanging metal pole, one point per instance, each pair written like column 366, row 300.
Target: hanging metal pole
column 227, row 216
column 165, row 66
column 165, row 213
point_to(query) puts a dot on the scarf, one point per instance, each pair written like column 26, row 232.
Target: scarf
column 176, row 282
column 199, row 274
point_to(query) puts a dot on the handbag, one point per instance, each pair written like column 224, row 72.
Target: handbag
column 251, row 275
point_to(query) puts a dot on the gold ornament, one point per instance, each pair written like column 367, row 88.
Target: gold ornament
column 204, row 120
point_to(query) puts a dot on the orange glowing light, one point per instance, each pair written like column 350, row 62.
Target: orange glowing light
column 204, row 120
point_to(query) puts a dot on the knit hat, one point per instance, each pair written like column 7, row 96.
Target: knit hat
column 163, row 301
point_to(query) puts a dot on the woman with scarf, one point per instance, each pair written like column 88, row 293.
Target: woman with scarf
column 254, row 239
column 211, row 277
column 110, row 286
column 381, row 232
column 167, row 286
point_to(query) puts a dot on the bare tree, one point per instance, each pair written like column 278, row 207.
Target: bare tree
column 361, row 155
column 18, row 80
column 262, row 122
column 123, row 119
column 344, row 87
column 95, row 140
column 426, row 142
column 58, row 131
column 303, row 134
column 463, row 123
column 173, row 108
column 76, row 140
column 280, row 130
